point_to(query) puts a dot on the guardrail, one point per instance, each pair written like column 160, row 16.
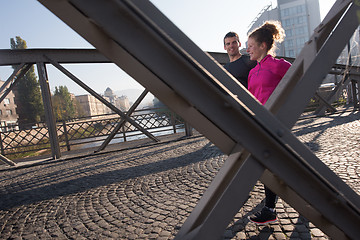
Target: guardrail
column 85, row 133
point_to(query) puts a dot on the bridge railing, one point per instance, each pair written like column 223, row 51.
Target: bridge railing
column 85, row 133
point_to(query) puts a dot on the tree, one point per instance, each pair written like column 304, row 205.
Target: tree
column 63, row 104
column 27, row 92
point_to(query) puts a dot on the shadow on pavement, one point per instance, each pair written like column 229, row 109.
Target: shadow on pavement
column 64, row 178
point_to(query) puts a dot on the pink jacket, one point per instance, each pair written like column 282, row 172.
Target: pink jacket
column 265, row 76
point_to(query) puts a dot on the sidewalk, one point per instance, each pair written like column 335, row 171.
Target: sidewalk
column 149, row 191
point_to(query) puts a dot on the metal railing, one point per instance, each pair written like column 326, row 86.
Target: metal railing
column 88, row 132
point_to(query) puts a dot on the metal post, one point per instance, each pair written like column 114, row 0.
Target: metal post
column 188, row 129
column 1, row 142
column 172, row 120
column 354, row 95
column 49, row 113
column 66, row 136
column 124, row 133
column 358, row 93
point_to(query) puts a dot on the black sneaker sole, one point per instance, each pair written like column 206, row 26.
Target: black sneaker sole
column 263, row 223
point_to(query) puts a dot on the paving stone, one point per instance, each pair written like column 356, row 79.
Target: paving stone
column 240, row 235
column 317, row 232
column 288, row 228
column 285, row 221
column 280, row 236
column 148, row 192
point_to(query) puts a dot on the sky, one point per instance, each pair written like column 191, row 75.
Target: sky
column 205, row 22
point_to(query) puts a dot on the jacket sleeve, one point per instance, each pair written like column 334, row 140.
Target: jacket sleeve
column 283, row 67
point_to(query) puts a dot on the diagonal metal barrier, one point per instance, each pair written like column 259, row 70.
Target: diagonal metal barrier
column 101, row 99
column 122, row 122
column 9, row 84
column 25, row 58
column 144, row 43
column 6, row 88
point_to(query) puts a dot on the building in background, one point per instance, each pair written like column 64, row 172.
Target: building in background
column 8, row 114
column 351, row 53
column 121, row 103
column 110, row 95
column 92, row 106
column 267, row 13
column 299, row 18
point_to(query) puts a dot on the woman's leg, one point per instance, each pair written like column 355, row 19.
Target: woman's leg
column 267, row 213
column 270, row 198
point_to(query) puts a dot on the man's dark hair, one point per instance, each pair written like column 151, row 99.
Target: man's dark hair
column 232, row 34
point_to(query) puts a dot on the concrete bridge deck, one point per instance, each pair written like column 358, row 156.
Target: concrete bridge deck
column 148, row 192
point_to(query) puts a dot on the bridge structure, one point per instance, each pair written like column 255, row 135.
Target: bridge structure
column 138, row 38
column 17, row 140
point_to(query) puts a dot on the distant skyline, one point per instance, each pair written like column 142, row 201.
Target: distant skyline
column 204, row 22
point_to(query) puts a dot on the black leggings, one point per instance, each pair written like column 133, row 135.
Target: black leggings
column 270, row 198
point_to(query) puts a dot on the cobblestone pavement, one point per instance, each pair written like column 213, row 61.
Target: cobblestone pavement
column 148, row 192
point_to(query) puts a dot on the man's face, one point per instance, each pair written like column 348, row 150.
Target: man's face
column 231, row 45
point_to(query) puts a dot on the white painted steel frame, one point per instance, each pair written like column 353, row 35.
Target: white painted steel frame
column 145, row 44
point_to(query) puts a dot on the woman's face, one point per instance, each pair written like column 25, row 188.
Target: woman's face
column 257, row 51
